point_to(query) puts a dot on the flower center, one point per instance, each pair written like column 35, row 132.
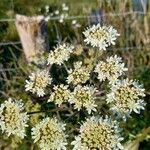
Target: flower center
column 97, row 136
column 41, row 82
column 12, row 121
column 110, row 68
column 49, row 134
column 61, row 95
column 82, row 96
column 99, row 34
column 125, row 95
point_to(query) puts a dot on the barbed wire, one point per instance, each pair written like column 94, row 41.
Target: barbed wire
column 119, row 48
column 85, row 16
column 15, row 43
column 8, row 69
column 124, row 48
column 110, row 49
column 10, row 43
column 70, row 18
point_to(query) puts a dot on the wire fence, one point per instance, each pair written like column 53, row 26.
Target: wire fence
column 10, row 43
column 86, row 16
column 72, row 18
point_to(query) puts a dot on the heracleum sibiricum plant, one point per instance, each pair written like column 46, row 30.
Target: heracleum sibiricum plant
column 13, row 119
column 37, row 82
column 83, row 96
column 61, row 94
column 79, row 74
column 98, row 133
column 60, row 54
column 69, row 90
column 100, row 36
column 49, row 134
column 125, row 97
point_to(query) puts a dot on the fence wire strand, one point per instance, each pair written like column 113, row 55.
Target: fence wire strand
column 86, row 16
column 10, row 43
column 15, row 43
column 69, row 18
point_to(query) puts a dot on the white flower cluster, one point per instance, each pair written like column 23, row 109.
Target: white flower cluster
column 80, row 74
column 125, row 97
column 97, row 133
column 100, row 36
column 60, row 54
column 49, row 134
column 60, row 94
column 13, row 120
column 64, row 13
column 111, row 69
column 83, row 96
column 61, row 13
column 37, row 82
column 80, row 92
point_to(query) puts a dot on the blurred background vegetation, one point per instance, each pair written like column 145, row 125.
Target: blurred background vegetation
column 130, row 17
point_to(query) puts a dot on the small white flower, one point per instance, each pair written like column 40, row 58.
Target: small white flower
column 47, row 18
column 65, row 7
column 125, row 97
column 111, row 69
column 74, row 22
column 100, row 36
column 98, row 133
column 56, row 12
column 13, row 120
column 84, row 97
column 60, row 94
column 47, row 8
column 37, row 82
column 77, row 25
column 80, row 74
column 49, row 134
column 61, row 20
column 60, row 54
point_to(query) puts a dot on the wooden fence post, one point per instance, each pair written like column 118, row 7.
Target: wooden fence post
column 33, row 34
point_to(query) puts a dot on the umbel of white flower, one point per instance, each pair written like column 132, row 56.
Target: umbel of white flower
column 13, row 119
column 83, row 97
column 111, row 69
column 80, row 74
column 60, row 54
column 125, row 97
column 100, row 36
column 61, row 94
column 37, row 82
column 49, row 134
column 98, row 134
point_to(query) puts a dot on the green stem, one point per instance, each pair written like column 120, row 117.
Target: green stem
column 143, row 135
column 65, row 66
column 52, row 110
